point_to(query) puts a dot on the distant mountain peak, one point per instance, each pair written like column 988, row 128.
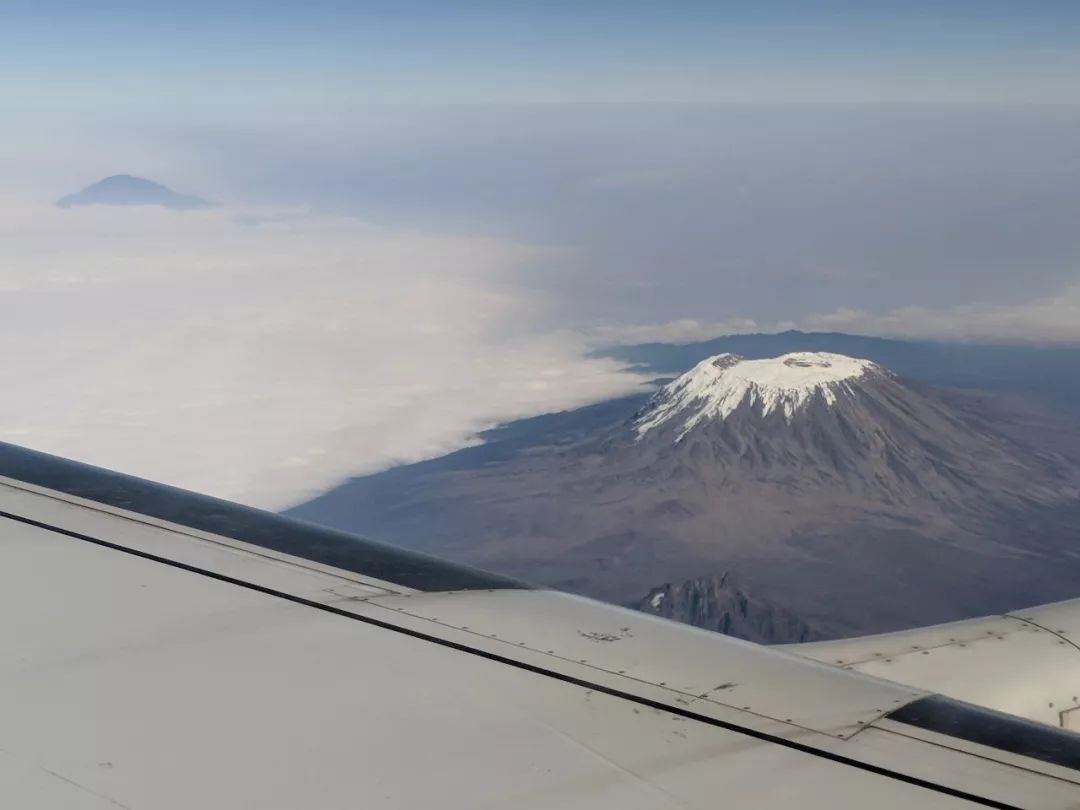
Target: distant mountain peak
column 717, row 386
column 126, row 189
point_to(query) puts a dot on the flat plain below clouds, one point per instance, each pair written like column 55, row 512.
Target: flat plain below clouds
column 263, row 356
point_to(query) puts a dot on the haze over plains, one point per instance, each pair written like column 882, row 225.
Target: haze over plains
column 429, row 217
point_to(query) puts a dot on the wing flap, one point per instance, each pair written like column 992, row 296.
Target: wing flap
column 1024, row 664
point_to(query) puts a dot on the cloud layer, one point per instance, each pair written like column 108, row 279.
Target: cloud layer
column 265, row 355
column 1049, row 319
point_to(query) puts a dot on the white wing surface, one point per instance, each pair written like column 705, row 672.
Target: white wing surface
column 163, row 650
column 1026, row 663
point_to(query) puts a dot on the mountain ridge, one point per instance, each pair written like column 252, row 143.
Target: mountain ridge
column 1049, row 372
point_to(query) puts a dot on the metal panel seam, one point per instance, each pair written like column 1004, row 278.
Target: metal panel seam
column 1038, row 626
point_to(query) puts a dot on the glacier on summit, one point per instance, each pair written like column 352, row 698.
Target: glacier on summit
column 716, row 386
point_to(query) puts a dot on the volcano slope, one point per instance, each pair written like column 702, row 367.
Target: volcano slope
column 838, row 491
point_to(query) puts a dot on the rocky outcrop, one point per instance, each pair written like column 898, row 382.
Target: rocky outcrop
column 721, row 603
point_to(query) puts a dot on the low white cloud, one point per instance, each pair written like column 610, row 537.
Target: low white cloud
column 265, row 355
column 1052, row 319
column 1047, row 320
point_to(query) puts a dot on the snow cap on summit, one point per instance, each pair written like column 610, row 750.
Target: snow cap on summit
column 715, row 387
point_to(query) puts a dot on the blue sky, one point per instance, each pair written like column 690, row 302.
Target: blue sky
column 323, row 53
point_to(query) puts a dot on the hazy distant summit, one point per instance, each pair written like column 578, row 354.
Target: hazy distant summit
column 123, row 189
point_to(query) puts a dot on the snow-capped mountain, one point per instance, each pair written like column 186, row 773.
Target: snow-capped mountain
column 806, row 421
column 824, row 480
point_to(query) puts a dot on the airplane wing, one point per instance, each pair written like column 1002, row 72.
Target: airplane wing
column 1025, row 663
column 160, row 650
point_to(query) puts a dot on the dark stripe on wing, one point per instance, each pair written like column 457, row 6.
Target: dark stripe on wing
column 266, row 529
column 1005, row 732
